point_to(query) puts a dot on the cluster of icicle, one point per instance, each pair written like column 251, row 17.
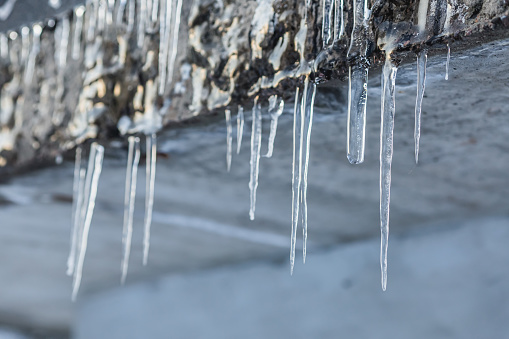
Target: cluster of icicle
column 332, row 31
column 137, row 17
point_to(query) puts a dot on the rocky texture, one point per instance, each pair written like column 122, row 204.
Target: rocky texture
column 228, row 52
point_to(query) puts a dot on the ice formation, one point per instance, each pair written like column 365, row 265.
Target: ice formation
column 133, row 160
column 422, row 59
column 276, row 107
column 85, row 204
column 229, row 139
column 254, row 163
column 81, row 36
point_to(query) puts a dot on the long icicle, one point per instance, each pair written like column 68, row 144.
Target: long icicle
column 422, row 59
column 77, row 202
column 356, row 126
column 149, row 192
column 276, row 107
column 91, row 185
column 296, row 168
column 386, row 151
column 229, row 139
column 240, row 127
column 133, row 160
column 309, row 111
column 447, row 62
column 256, row 143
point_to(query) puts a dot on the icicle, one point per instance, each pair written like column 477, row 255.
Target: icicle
column 121, row 12
column 256, row 143
column 339, row 25
column 275, row 111
column 447, row 62
column 240, row 127
column 308, row 102
column 133, row 160
column 175, row 40
column 77, row 202
column 4, row 46
column 229, row 139
column 356, row 126
column 164, row 42
column 36, row 46
column 111, row 9
column 422, row 59
column 142, row 15
column 386, row 151
column 151, row 152
column 327, row 23
column 296, row 173
column 78, row 29
column 64, row 43
column 91, row 20
column 131, row 16
column 155, row 10
column 25, row 43
column 91, row 184
column 101, row 15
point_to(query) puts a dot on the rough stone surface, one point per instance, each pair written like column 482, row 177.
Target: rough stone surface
column 228, row 53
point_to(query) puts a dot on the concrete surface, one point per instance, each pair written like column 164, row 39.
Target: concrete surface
column 201, row 219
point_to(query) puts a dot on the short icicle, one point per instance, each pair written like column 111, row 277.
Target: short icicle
column 240, row 127
column 296, row 173
column 422, row 59
column 307, row 109
column 256, row 143
column 327, row 32
column 356, row 125
column 388, row 109
column 133, row 160
column 229, row 139
column 339, row 25
column 276, row 107
column 150, row 179
column 77, row 202
column 93, row 174
column 447, row 62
